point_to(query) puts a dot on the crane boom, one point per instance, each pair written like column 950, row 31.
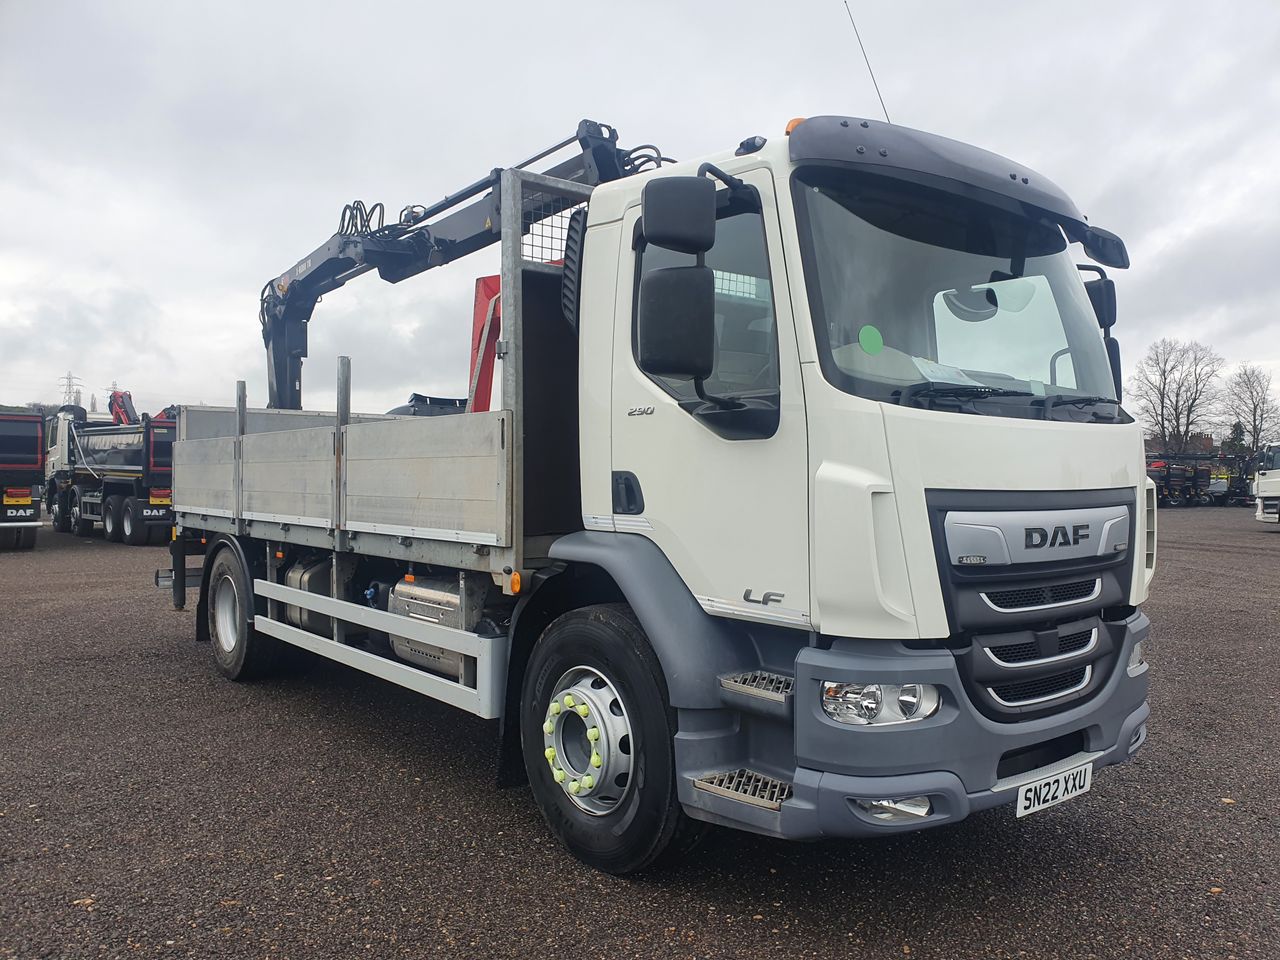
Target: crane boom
column 422, row 238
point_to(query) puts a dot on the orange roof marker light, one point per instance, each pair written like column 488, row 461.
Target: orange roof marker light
column 793, row 123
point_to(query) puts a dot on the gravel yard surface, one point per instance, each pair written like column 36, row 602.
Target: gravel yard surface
column 149, row 807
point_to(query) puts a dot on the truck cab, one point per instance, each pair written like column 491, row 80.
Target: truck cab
column 1266, row 485
column 904, row 479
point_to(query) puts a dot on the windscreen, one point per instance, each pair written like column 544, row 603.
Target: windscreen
column 911, row 287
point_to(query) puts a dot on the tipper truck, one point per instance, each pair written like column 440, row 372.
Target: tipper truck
column 21, row 474
column 792, row 491
column 115, row 474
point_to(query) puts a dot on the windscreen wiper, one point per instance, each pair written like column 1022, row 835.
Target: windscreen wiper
column 920, row 391
column 1069, row 400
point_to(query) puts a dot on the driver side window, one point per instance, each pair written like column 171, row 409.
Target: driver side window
column 746, row 343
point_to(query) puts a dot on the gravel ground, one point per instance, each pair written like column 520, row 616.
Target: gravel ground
column 149, row 807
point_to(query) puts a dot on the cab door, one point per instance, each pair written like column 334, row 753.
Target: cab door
column 720, row 484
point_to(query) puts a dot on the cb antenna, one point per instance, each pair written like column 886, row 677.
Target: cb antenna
column 868, row 61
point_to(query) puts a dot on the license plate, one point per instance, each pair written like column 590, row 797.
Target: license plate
column 17, row 501
column 1051, row 791
column 161, row 501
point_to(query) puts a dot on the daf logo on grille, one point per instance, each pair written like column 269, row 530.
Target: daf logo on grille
column 1059, row 536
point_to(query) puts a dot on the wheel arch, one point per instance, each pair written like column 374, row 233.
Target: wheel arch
column 592, row 567
column 217, row 545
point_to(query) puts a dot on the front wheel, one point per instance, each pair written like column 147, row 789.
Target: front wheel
column 58, row 511
column 597, row 734
column 81, row 526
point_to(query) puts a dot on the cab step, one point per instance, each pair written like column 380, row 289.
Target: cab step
column 748, row 786
column 758, row 691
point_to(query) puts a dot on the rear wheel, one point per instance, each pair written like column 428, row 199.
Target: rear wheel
column 132, row 528
column 597, row 734
column 81, row 526
column 111, row 518
column 239, row 651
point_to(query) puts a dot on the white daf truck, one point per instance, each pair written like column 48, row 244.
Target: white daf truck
column 802, row 502
column 1266, row 485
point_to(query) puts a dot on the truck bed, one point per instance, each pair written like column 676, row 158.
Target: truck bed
column 434, row 489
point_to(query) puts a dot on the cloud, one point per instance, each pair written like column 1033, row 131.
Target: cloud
column 166, row 159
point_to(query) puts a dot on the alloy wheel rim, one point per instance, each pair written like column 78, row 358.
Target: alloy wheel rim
column 588, row 741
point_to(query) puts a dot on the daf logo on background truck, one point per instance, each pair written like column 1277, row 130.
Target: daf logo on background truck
column 1039, row 537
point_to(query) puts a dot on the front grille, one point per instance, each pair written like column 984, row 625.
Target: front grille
column 1017, row 652
column 1039, row 689
column 1075, row 641
column 1270, row 506
column 1027, row 597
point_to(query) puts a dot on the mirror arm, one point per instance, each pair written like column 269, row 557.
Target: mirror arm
column 733, row 183
column 724, row 403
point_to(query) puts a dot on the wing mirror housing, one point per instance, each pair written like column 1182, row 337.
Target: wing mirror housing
column 675, row 323
column 1102, row 294
column 679, row 213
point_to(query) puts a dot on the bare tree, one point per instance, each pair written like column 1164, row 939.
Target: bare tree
column 1177, row 387
column 1248, row 401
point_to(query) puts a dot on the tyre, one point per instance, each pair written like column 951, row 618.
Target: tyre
column 81, row 526
column 26, row 538
column 1174, row 500
column 132, row 529
column 597, row 733
column 111, row 518
column 59, row 511
column 239, row 651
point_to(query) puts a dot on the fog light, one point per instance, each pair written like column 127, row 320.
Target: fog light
column 1137, row 659
column 898, row 811
column 879, row 703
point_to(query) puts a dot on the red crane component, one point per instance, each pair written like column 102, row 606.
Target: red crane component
column 486, row 330
column 121, row 406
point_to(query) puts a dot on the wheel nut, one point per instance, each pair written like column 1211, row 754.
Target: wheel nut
column 588, row 782
column 583, row 710
column 568, row 700
column 555, row 707
column 548, row 728
column 549, row 753
column 575, row 787
column 593, row 734
column 559, row 776
column 596, row 760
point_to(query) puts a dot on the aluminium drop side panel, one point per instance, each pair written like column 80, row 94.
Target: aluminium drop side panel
column 204, row 477
column 200, row 423
column 288, row 476
column 434, row 478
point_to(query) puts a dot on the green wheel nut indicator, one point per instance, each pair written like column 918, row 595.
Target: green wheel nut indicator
column 583, row 709
column 588, row 782
column 548, row 728
column 555, row 707
column 596, row 760
column 559, row 776
column 549, row 753
column 575, row 787
column 593, row 734
column 568, row 700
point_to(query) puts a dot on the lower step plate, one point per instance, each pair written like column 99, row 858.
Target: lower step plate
column 747, row 786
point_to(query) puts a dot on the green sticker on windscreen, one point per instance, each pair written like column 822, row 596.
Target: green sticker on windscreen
column 870, row 339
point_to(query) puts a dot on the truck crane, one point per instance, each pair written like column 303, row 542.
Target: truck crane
column 804, row 501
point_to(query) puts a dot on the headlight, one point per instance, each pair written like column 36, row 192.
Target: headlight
column 1137, row 659
column 874, row 703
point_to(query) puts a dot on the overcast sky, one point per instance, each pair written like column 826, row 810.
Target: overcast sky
column 160, row 161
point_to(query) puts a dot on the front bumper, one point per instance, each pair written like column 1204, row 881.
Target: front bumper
column 952, row 757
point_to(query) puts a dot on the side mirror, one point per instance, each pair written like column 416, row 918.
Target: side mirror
column 1102, row 294
column 1113, row 356
column 676, row 323
column 679, row 213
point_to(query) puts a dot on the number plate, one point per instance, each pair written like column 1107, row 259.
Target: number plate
column 1053, row 790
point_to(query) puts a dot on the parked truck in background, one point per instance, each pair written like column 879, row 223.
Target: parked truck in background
column 116, row 474
column 21, row 474
column 1266, row 485
column 805, row 505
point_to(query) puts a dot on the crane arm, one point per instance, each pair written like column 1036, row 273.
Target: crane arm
column 422, row 238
